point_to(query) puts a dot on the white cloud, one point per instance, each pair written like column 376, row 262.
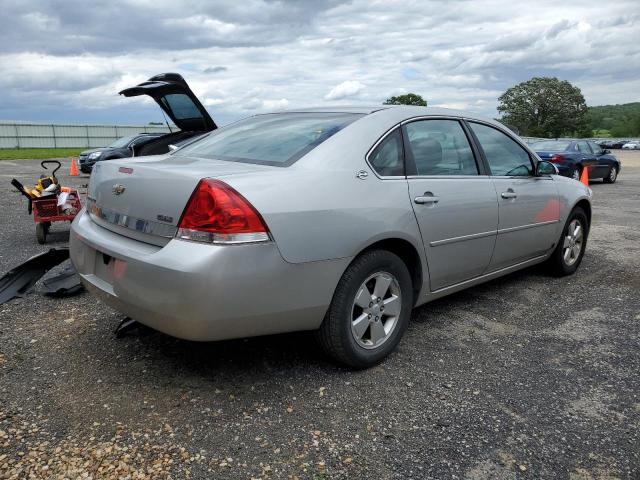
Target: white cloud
column 60, row 63
column 345, row 89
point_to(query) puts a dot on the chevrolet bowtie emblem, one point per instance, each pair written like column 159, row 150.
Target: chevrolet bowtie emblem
column 117, row 189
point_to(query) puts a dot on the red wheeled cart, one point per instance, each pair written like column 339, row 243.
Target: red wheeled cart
column 46, row 211
column 50, row 202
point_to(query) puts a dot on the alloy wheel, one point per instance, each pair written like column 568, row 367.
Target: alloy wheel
column 376, row 310
column 613, row 174
column 572, row 244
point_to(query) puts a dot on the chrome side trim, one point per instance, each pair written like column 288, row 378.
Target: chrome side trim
column 462, row 238
column 448, row 177
column 487, row 275
column 127, row 221
column 524, row 227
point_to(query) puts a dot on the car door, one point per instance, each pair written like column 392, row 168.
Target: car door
column 528, row 205
column 603, row 163
column 455, row 205
column 588, row 158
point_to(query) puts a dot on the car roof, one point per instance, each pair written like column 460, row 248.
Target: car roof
column 337, row 109
column 396, row 113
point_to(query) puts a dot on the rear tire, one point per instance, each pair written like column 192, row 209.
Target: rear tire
column 369, row 311
column 612, row 176
column 567, row 256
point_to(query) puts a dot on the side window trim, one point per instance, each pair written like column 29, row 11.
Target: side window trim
column 481, row 161
column 532, row 158
column 411, row 169
column 378, row 142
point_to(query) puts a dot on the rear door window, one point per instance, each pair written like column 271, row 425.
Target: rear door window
column 505, row 156
column 583, row 147
column 440, row 148
column 597, row 149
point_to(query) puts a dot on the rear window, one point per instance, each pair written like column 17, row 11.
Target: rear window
column 182, row 106
column 550, row 146
column 277, row 139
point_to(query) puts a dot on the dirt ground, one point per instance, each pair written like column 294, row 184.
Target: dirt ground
column 527, row 376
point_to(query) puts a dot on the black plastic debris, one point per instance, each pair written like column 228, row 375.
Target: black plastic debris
column 126, row 325
column 20, row 280
column 65, row 284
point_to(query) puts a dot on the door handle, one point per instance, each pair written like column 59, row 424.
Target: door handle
column 508, row 194
column 427, row 198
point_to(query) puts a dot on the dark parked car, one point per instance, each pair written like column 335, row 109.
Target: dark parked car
column 176, row 99
column 121, row 148
column 617, row 143
column 572, row 156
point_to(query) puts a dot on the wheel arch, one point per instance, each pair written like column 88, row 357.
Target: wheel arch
column 585, row 205
column 408, row 254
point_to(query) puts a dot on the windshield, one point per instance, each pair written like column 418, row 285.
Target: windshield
column 274, row 139
column 550, row 145
column 121, row 142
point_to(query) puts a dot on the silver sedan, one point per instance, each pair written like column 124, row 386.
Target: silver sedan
column 336, row 220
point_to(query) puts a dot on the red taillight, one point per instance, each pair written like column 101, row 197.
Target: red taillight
column 216, row 213
column 557, row 159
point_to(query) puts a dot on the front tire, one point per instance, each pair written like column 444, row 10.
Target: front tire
column 567, row 256
column 612, row 177
column 369, row 311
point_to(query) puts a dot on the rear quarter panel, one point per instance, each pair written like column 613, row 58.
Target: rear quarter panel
column 317, row 209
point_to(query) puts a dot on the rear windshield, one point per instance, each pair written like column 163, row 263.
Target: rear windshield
column 182, row 106
column 550, row 146
column 274, row 139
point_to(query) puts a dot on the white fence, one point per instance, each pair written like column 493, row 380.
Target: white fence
column 43, row 135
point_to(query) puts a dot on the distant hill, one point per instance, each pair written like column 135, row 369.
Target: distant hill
column 615, row 120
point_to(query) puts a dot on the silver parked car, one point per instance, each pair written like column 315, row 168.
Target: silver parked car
column 337, row 220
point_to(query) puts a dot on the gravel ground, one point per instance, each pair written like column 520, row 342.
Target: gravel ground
column 524, row 377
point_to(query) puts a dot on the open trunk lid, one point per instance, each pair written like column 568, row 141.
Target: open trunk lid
column 144, row 198
column 174, row 96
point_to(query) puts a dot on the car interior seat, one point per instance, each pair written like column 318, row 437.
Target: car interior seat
column 427, row 154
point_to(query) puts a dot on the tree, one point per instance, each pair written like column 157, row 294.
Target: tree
column 544, row 107
column 407, row 99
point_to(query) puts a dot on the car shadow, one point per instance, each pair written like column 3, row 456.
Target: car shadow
column 284, row 352
column 464, row 297
column 229, row 359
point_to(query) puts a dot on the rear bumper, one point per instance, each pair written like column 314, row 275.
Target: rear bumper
column 203, row 292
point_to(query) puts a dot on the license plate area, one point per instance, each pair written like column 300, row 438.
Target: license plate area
column 109, row 269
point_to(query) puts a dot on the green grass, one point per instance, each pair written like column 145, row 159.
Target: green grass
column 38, row 153
column 602, row 133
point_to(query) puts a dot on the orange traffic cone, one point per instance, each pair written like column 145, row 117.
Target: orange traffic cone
column 584, row 176
column 73, row 171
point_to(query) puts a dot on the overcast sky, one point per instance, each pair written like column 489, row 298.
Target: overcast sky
column 66, row 60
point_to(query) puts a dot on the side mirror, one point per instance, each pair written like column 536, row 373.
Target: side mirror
column 546, row 168
column 605, row 151
column 173, row 148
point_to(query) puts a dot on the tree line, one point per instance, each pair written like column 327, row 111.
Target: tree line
column 549, row 107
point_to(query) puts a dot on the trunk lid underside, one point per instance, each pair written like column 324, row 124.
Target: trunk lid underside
column 174, row 96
